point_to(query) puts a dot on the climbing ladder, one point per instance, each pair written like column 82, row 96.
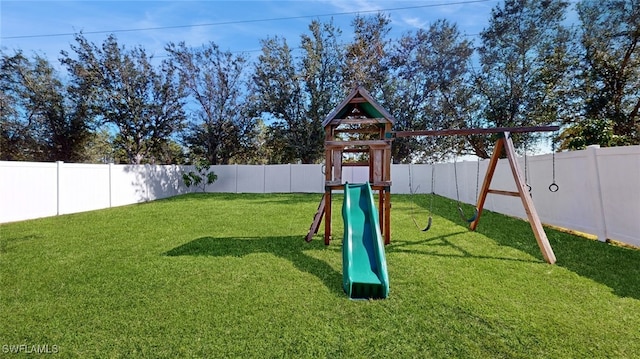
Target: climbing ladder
column 316, row 220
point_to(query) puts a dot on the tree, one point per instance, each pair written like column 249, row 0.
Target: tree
column 320, row 67
column 294, row 97
column 215, row 81
column 201, row 177
column 99, row 147
column 42, row 120
column 262, row 152
column 588, row 132
column 365, row 56
column 18, row 135
column 277, row 96
column 610, row 35
column 525, row 64
column 432, row 89
column 142, row 102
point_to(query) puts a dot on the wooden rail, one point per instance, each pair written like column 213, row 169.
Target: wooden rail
column 504, row 193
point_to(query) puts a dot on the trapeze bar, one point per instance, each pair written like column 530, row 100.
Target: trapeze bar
column 474, row 131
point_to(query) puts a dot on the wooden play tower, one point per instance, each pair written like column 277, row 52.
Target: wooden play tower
column 355, row 136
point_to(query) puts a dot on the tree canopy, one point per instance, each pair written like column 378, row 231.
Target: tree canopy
column 610, row 78
column 41, row 118
column 527, row 67
column 142, row 102
column 214, row 80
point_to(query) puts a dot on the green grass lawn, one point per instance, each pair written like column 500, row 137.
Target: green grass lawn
column 226, row 275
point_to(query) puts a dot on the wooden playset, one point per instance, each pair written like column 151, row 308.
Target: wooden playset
column 360, row 126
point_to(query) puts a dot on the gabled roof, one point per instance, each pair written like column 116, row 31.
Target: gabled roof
column 359, row 100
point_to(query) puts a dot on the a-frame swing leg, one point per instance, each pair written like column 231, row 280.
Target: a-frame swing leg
column 505, row 143
column 527, row 202
column 497, row 151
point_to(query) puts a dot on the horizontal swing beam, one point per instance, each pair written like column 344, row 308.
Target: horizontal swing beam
column 474, row 131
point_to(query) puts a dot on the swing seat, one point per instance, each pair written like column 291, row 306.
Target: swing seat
column 428, row 224
column 464, row 218
column 425, row 228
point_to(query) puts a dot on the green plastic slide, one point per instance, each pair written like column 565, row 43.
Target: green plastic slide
column 363, row 260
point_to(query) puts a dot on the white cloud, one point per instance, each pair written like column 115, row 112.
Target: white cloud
column 415, row 22
column 355, row 5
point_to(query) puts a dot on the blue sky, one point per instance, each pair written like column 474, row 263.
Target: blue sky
column 47, row 27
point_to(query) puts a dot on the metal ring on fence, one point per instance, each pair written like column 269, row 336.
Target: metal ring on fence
column 553, row 187
column 322, row 169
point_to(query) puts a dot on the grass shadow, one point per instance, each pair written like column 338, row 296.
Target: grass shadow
column 255, row 198
column 614, row 266
column 431, row 245
column 291, row 248
column 200, row 196
column 7, row 242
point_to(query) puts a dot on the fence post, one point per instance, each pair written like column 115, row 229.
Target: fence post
column 264, row 178
column 110, row 184
column 58, row 170
column 600, row 219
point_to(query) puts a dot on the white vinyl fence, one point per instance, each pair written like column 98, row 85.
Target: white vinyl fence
column 598, row 192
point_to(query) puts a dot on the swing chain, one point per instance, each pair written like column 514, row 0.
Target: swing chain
column 455, row 175
column 526, row 172
column 433, row 181
column 460, row 211
column 553, row 187
column 411, row 191
column 477, row 177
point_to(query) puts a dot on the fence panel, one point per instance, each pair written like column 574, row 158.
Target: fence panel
column 277, row 179
column 28, row 190
column 164, row 181
column 307, row 178
column 250, row 179
column 83, row 187
column 619, row 171
column 128, row 185
column 227, row 179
